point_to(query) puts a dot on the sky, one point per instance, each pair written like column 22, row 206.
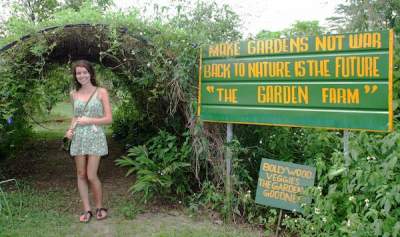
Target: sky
column 257, row 15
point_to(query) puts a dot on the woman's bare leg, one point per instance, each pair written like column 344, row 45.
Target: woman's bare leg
column 81, row 167
column 92, row 168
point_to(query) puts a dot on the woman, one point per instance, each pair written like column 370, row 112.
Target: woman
column 91, row 109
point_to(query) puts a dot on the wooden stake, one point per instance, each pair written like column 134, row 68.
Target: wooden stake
column 278, row 226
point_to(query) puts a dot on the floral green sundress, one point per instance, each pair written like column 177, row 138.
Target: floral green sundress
column 89, row 139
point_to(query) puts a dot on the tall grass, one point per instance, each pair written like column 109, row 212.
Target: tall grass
column 5, row 207
column 30, row 212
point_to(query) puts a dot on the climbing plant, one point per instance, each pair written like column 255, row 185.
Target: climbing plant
column 154, row 63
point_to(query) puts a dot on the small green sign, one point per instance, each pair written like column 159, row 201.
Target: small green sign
column 281, row 184
column 331, row 81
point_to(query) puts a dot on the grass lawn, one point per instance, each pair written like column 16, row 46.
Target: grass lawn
column 29, row 212
column 49, row 213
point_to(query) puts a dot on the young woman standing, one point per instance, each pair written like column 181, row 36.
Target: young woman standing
column 92, row 109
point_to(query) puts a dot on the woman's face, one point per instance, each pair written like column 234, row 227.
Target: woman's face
column 82, row 75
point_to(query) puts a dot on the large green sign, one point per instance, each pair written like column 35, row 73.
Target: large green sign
column 281, row 184
column 330, row 81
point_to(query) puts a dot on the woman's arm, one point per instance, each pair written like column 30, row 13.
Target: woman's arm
column 70, row 130
column 107, row 116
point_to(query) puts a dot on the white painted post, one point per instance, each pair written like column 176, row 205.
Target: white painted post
column 346, row 135
column 228, row 160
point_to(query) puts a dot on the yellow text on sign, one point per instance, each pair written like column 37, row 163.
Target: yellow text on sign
column 282, row 178
column 268, row 69
column 340, row 95
column 312, row 68
column 227, row 95
column 282, row 94
column 329, row 42
column 224, row 50
column 217, row 70
column 272, row 46
column 365, row 40
column 278, row 169
column 268, row 184
column 356, row 66
column 279, row 195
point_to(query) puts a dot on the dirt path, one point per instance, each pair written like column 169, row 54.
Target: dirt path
column 47, row 168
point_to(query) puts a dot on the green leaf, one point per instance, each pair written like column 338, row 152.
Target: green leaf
column 387, row 206
column 396, row 229
column 336, row 172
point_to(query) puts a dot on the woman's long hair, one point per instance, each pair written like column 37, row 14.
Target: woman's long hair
column 86, row 64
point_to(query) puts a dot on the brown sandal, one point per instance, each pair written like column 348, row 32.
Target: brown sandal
column 100, row 216
column 87, row 215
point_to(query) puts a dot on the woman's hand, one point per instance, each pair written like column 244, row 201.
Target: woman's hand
column 84, row 120
column 69, row 133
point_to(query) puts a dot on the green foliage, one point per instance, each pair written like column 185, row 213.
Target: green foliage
column 304, row 28
column 77, row 4
column 207, row 21
column 266, row 34
column 33, row 10
column 161, row 166
column 366, row 16
column 159, row 76
column 362, row 199
column 154, row 86
column 130, row 127
column 13, row 136
column 33, row 212
column 297, row 145
column 299, row 28
column 130, row 209
column 245, row 165
column 22, row 99
column 14, row 128
column 209, row 197
column 54, row 87
column 9, row 208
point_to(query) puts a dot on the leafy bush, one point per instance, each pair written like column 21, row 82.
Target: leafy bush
column 362, row 199
column 125, row 126
column 14, row 136
column 242, row 207
column 161, row 166
column 209, row 197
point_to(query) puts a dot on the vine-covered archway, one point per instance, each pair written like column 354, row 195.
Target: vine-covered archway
column 144, row 70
